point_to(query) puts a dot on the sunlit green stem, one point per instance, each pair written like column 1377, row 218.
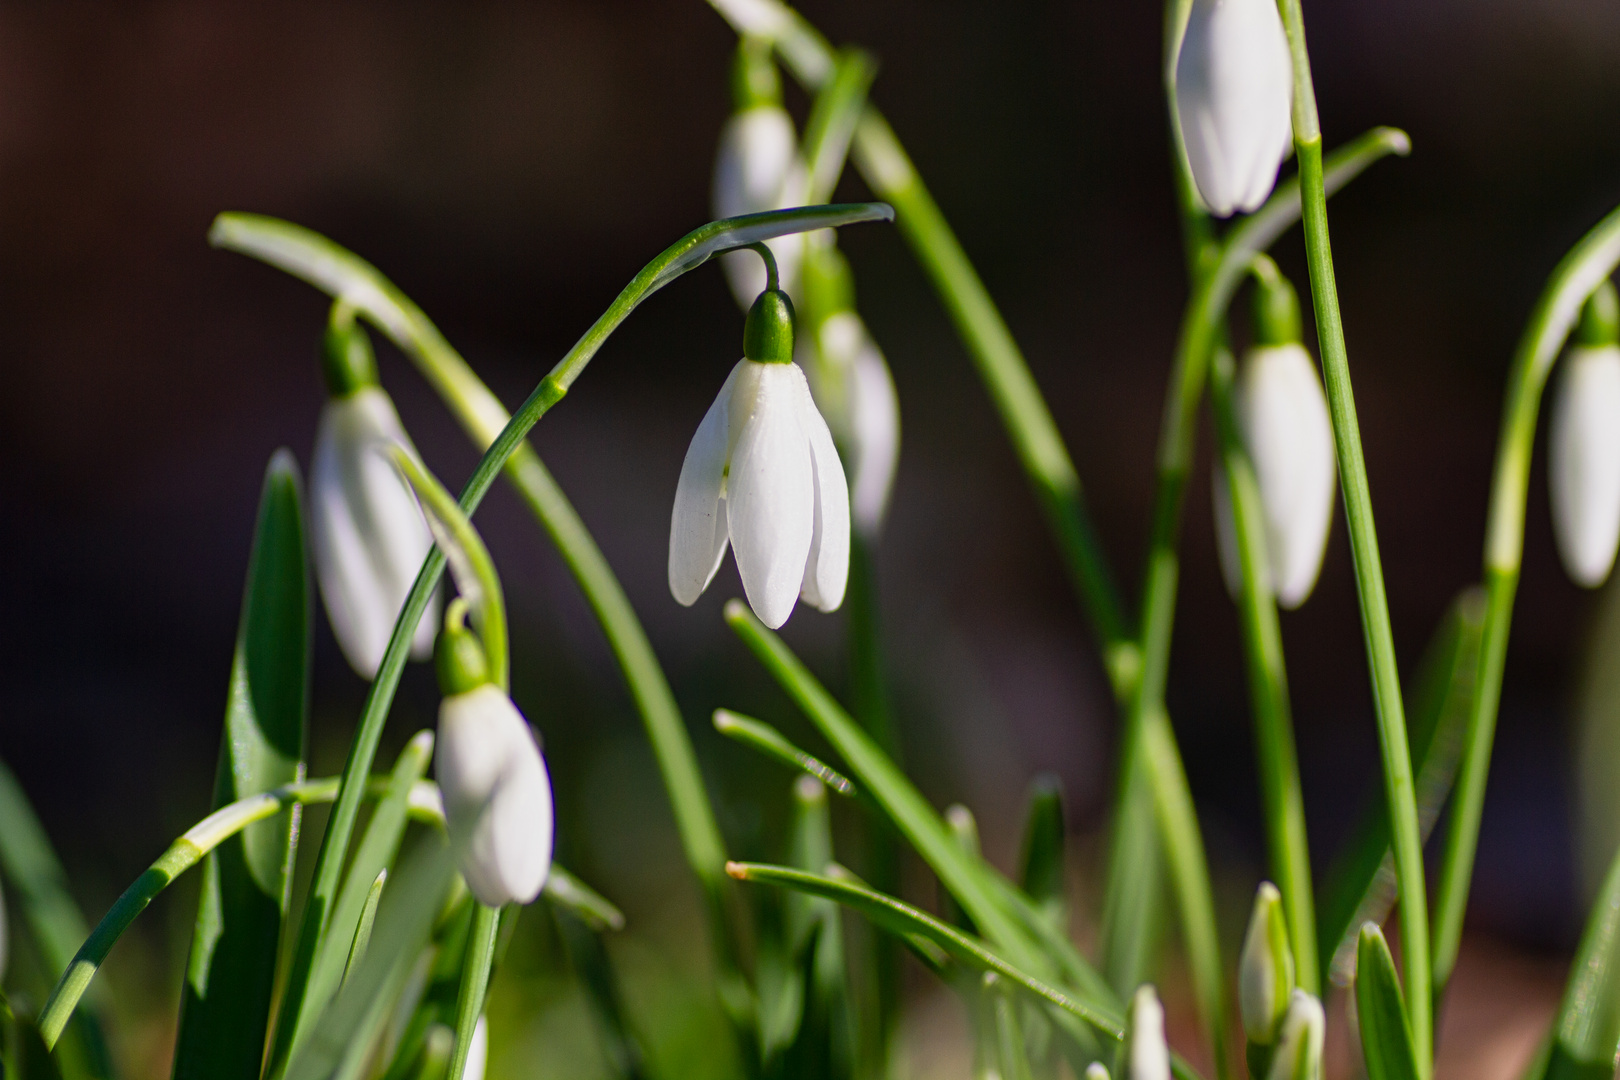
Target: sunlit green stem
column 181, row 856
column 474, row 984
column 345, row 276
column 1572, row 281
column 1268, row 686
column 1380, row 641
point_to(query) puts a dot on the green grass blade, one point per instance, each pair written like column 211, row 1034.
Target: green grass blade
column 567, row 892
column 761, row 736
column 1588, row 1024
column 963, row 874
column 343, row 1041
column 368, row 918
column 378, row 848
column 247, row 878
column 1360, row 884
column 900, row 918
column 1386, row 1034
column 1011, row 1056
column 52, row 919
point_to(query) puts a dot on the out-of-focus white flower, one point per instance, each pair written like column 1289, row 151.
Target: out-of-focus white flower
column 1266, row 968
column 1234, row 96
column 763, row 474
column 758, row 169
column 1584, row 458
column 1298, row 1055
column 1096, row 1071
column 1149, row 1053
column 1289, row 436
column 477, row 1051
column 496, row 793
column 855, row 392
column 369, row 536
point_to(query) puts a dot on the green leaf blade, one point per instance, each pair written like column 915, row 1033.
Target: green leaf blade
column 1386, row 1036
column 227, row 993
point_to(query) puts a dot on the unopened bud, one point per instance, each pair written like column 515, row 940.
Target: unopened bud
column 1584, row 448
column 1149, row 1053
column 1266, row 968
column 1298, row 1055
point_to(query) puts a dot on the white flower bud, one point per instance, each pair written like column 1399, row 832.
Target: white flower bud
column 1096, row 1071
column 1289, row 436
column 1298, row 1055
column 1584, row 458
column 496, row 793
column 1265, row 968
column 762, row 474
column 855, row 392
column 758, row 168
column 368, row 534
column 1149, row 1053
column 1234, row 97
column 477, row 1051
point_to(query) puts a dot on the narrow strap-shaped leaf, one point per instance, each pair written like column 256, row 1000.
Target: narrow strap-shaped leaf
column 591, row 963
column 1011, row 1056
column 566, row 891
column 1587, row 1031
column 1386, row 1034
column 377, row 850
column 761, row 736
column 247, row 878
column 51, row 918
column 1041, row 866
column 434, row 1011
column 368, row 918
column 343, row 1041
column 1360, row 885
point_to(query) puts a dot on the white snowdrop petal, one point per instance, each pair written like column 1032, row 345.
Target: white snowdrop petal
column 1289, row 433
column 369, row 536
column 875, row 410
column 1149, row 1053
column 1584, row 461
column 770, row 497
column 826, row 570
column 1234, row 89
column 497, row 792
column 697, row 529
column 477, row 1051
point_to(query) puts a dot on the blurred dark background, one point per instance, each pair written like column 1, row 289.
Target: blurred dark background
column 512, row 165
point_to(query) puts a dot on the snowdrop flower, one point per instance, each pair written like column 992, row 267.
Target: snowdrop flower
column 1234, row 94
column 758, row 168
column 369, row 537
column 496, row 790
column 852, row 386
column 1288, row 433
column 762, row 473
column 1298, row 1055
column 1148, row 1052
column 1584, row 450
column 1266, row 968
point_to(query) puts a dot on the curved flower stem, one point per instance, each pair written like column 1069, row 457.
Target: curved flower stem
column 1573, row 280
column 1268, row 686
column 474, row 984
column 182, row 855
column 1380, row 641
column 344, row 275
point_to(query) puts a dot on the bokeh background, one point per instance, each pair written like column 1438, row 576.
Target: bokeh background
column 510, row 165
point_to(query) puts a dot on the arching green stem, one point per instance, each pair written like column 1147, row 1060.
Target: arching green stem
column 1572, row 281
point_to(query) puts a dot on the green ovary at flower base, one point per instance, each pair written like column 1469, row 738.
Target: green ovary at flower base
column 762, row 475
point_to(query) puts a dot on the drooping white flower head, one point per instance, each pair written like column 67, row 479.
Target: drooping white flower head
column 852, row 386
column 497, row 793
column 369, row 536
column 1265, row 968
column 1298, row 1055
column 763, row 475
column 1234, row 96
column 1584, row 448
column 1288, row 433
column 758, row 168
column 1149, row 1054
